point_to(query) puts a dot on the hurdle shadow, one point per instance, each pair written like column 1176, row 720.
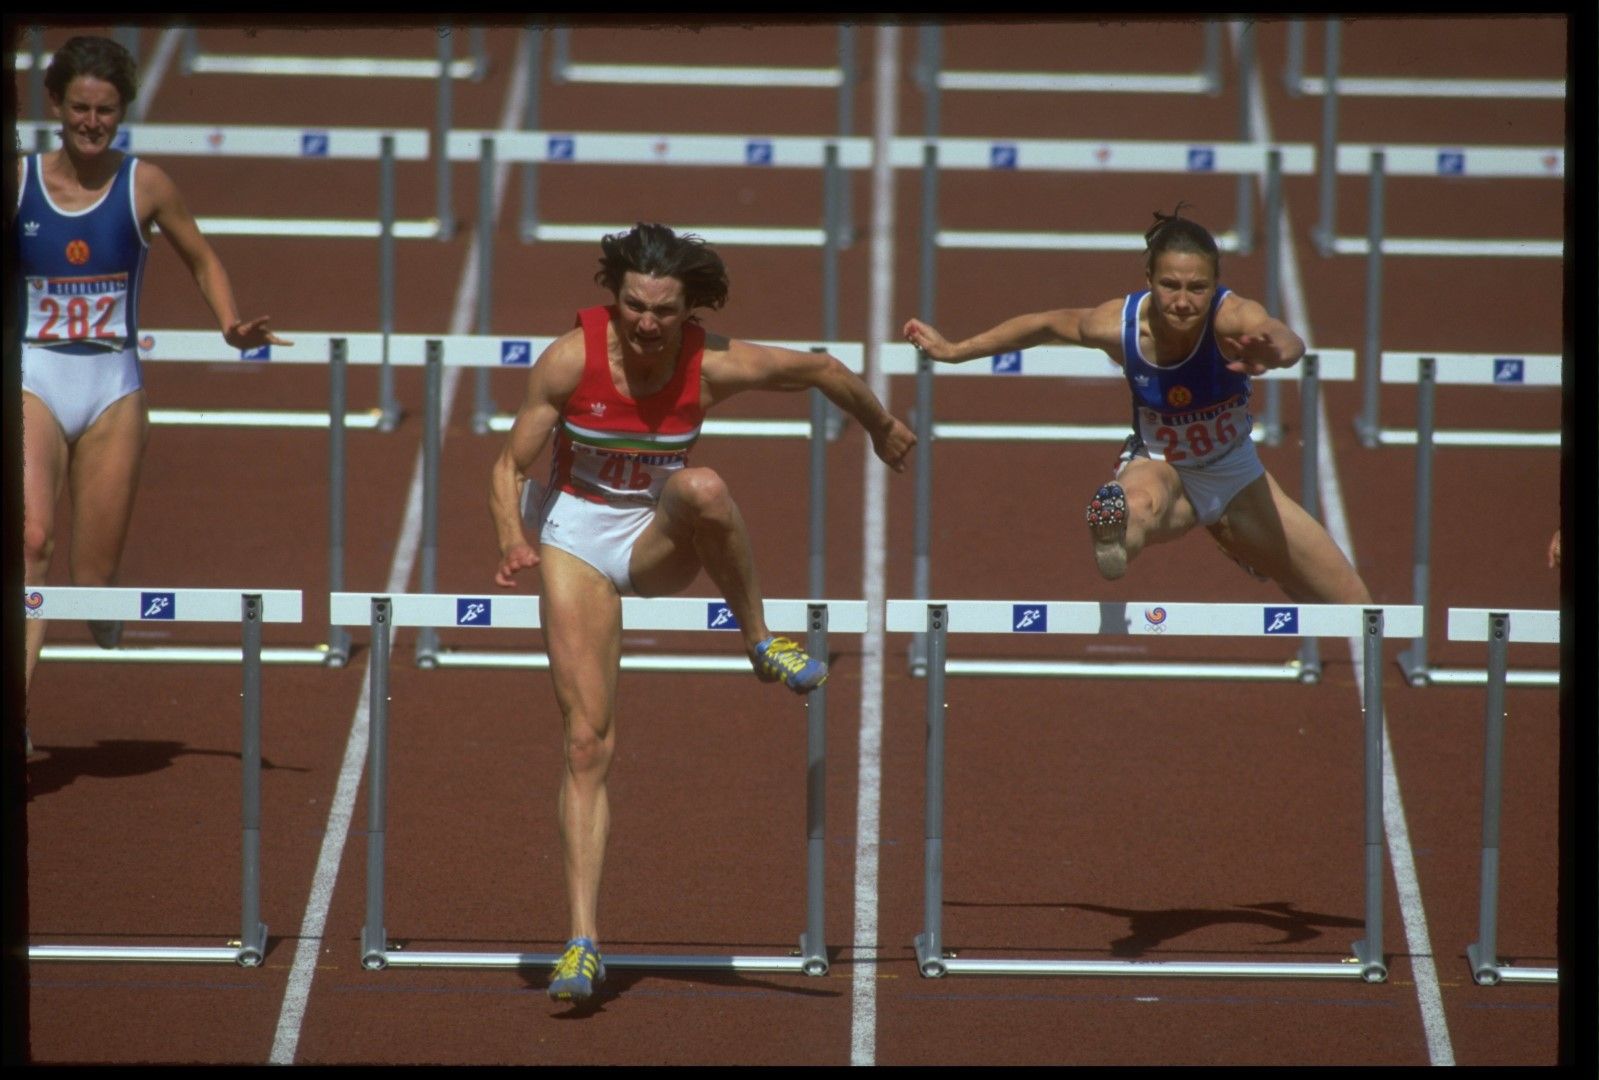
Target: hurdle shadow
column 1148, row 929
column 115, row 759
column 619, row 982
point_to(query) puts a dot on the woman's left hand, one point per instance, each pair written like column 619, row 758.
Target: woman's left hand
column 252, row 334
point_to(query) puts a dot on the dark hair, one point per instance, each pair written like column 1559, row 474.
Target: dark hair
column 1173, row 233
column 659, row 252
column 96, row 56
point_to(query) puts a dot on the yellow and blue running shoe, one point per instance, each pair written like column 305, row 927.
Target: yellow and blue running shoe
column 779, row 659
column 578, row 972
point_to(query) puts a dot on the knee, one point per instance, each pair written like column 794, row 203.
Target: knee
column 588, row 749
column 38, row 544
column 705, row 494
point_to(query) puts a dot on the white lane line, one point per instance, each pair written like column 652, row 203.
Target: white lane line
column 291, row 1016
column 156, row 70
column 1440, row 1050
column 869, row 779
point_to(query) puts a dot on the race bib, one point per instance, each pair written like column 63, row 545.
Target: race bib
column 624, row 474
column 1197, row 437
column 74, row 310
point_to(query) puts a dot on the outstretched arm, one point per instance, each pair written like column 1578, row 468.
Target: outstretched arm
column 1253, row 341
column 1063, row 326
column 168, row 212
column 747, row 366
column 549, row 384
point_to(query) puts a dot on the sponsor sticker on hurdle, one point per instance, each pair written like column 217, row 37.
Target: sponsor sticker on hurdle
column 260, row 352
column 758, row 152
column 313, row 144
column 516, row 352
column 158, row 605
column 1281, row 620
column 1029, row 618
column 122, row 140
column 561, row 148
column 1155, row 619
column 474, row 611
column 1509, row 370
column 33, row 605
column 1201, row 159
column 719, row 617
column 1008, row 363
column 1451, row 163
column 1002, row 156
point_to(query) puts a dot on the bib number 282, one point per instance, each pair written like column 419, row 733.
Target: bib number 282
column 71, row 321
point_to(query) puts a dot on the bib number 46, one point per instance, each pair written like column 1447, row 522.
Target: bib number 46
column 621, row 473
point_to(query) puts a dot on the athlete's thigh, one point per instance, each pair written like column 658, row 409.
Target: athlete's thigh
column 1278, row 537
column 105, row 463
column 44, row 468
column 581, row 614
column 1171, row 514
column 664, row 559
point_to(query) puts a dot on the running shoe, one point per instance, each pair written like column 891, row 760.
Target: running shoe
column 107, row 635
column 1107, row 521
column 578, row 972
column 779, row 659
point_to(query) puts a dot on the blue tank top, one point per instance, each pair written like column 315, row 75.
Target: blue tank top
column 1190, row 412
column 81, row 269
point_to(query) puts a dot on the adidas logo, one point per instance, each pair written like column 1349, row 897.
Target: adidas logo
column 30, row 228
column 598, row 408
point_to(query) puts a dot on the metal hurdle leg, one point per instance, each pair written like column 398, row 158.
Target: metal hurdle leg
column 427, row 639
column 533, row 40
column 813, row 943
column 1212, row 62
column 1325, row 230
column 253, row 932
column 1309, row 489
column 1413, row 661
column 1369, row 425
column 338, row 636
column 387, row 401
column 374, row 940
column 445, row 207
column 1368, row 950
column 483, row 402
column 930, row 958
column 1245, row 214
column 923, row 420
column 1483, row 954
column 1294, row 66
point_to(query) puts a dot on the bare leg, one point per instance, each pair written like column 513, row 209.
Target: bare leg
column 1157, row 512
column 104, row 478
column 44, row 471
column 1274, row 534
column 697, row 524
column 582, row 617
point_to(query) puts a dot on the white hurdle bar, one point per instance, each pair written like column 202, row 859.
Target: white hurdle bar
column 1498, row 628
column 940, row 618
column 1083, row 363
column 1473, row 370
column 1503, row 371
column 251, row 608
column 384, row 612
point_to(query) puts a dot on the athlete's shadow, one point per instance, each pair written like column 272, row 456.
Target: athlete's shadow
column 709, row 983
column 1149, row 929
column 114, row 759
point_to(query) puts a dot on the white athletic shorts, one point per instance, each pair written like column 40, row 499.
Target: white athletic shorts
column 1211, row 486
column 78, row 386
column 602, row 534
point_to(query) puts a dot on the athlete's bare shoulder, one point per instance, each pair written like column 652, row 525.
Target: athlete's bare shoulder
column 1102, row 327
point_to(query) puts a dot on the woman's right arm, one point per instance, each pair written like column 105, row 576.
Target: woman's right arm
column 1063, row 326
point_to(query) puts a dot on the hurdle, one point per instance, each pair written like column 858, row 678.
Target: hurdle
column 483, row 353
column 1085, row 363
column 1498, row 628
column 384, row 145
column 250, row 608
column 382, row 613
column 1469, row 370
column 840, row 76
column 1331, row 83
column 1207, row 80
column 939, row 618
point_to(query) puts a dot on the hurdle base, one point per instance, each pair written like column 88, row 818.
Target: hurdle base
column 1369, row 962
column 1419, row 676
column 147, row 954
column 930, row 958
column 189, row 654
column 399, row 958
column 812, row 956
column 1486, row 971
column 1288, row 671
column 1210, row 969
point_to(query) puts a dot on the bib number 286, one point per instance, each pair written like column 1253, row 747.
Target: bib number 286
column 1197, row 439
